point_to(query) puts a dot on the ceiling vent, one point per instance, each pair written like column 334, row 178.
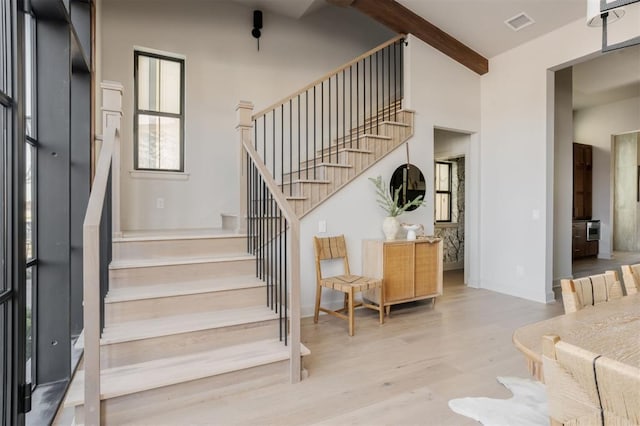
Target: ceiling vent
column 520, row 21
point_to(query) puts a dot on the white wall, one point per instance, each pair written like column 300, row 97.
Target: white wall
column 595, row 126
column 517, row 151
column 223, row 66
column 444, row 94
column 563, row 175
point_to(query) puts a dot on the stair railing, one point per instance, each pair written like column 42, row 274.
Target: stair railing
column 274, row 238
column 306, row 129
column 97, row 232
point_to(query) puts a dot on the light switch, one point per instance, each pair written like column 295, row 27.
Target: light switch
column 322, row 226
column 160, row 203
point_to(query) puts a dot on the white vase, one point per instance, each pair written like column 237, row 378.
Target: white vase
column 390, row 227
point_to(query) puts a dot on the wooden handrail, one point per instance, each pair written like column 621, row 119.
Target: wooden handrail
column 91, row 279
column 294, row 230
column 328, row 75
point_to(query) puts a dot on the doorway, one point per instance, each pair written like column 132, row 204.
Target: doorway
column 451, row 151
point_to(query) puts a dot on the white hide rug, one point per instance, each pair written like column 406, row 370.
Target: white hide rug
column 527, row 407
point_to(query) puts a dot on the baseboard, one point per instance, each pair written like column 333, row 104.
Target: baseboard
column 605, row 255
column 452, row 266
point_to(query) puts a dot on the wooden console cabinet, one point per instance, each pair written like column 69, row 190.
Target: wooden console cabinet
column 411, row 270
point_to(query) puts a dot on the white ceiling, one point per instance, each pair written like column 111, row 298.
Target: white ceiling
column 291, row 8
column 480, row 25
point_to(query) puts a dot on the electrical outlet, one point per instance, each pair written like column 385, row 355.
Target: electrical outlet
column 160, row 203
column 322, row 226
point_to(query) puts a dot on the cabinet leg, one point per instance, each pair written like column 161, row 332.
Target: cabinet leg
column 388, row 309
column 434, row 302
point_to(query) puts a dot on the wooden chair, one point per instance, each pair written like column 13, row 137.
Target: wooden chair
column 619, row 388
column 585, row 388
column 631, row 278
column 571, row 383
column 589, row 291
column 335, row 248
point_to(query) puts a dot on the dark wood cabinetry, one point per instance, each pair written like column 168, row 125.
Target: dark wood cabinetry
column 582, row 180
column 580, row 246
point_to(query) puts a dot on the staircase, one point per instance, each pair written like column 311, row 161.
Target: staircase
column 351, row 155
column 185, row 318
column 315, row 141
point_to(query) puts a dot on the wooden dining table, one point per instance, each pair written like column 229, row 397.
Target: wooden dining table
column 610, row 329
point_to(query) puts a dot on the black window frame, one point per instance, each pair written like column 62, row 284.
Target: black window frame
column 136, row 54
column 449, row 192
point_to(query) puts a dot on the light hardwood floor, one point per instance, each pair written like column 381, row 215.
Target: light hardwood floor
column 402, row 372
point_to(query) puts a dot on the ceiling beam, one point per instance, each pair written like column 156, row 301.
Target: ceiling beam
column 402, row 20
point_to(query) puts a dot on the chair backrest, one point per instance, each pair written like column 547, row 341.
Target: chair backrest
column 327, row 248
column 591, row 290
column 619, row 388
column 631, row 278
column 585, row 388
column 570, row 382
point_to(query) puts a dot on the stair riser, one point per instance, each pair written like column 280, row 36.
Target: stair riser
column 321, row 173
column 175, row 273
column 396, row 132
column 200, row 247
column 359, row 161
column 304, row 189
column 181, row 305
column 118, row 354
column 153, row 404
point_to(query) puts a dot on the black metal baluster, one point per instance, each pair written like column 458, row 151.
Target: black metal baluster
column 395, row 82
column 371, row 94
column 382, row 67
column 337, row 114
column 329, row 115
column 322, row 122
column 377, row 93
column 290, row 149
column 402, row 68
column 286, row 278
column 364, row 95
column 315, row 115
column 358, row 104
column 389, row 82
column 298, row 137
column 306, row 129
column 344, row 127
column 351, row 106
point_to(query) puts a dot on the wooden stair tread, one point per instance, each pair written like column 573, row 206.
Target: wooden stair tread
column 182, row 288
column 125, row 380
column 169, row 261
column 191, row 234
column 395, row 123
column 322, row 181
column 176, row 324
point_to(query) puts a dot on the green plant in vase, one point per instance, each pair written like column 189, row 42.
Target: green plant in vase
column 390, row 225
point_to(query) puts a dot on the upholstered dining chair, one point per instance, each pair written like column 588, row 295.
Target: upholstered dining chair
column 591, row 290
column 335, row 248
column 631, row 278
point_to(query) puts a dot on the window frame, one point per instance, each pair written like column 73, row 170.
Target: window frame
column 137, row 112
column 449, row 192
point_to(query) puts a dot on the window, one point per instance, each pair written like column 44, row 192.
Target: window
column 159, row 112
column 443, row 192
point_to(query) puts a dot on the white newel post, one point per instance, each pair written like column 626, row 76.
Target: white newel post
column 112, row 114
column 244, row 111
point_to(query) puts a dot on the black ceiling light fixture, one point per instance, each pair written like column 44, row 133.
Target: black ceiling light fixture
column 257, row 26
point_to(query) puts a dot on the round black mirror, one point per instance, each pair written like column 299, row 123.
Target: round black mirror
column 411, row 182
